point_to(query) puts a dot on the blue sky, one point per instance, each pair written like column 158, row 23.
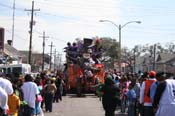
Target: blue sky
column 65, row 20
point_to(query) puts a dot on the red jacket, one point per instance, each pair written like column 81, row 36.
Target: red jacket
column 148, row 84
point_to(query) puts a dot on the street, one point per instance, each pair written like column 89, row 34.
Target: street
column 89, row 105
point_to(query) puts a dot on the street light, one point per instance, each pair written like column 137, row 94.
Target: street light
column 119, row 28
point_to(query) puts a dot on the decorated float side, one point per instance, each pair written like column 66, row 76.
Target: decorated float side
column 84, row 69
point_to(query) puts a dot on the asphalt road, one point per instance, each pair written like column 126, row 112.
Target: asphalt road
column 71, row 105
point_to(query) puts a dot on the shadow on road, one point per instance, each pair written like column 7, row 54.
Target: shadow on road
column 120, row 114
column 81, row 96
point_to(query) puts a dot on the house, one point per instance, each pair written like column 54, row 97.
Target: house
column 139, row 63
column 36, row 60
column 10, row 55
column 164, row 62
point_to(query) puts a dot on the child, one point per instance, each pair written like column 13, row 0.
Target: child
column 14, row 104
column 131, row 96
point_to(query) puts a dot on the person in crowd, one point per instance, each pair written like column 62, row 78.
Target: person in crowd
column 117, row 81
column 18, row 91
column 7, row 86
column 39, row 97
column 59, row 85
column 117, row 84
column 98, row 90
column 131, row 98
column 30, row 92
column 124, row 89
column 3, row 102
column 109, row 99
column 14, row 104
column 17, row 87
column 159, row 77
column 136, row 88
column 164, row 99
column 145, row 99
column 49, row 92
column 43, row 83
column 142, row 78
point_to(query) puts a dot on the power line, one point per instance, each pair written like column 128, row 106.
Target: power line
column 79, row 5
column 97, row 5
column 6, row 6
column 9, row 7
column 51, row 37
column 15, row 35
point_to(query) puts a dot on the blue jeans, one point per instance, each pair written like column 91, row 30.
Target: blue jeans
column 28, row 111
column 37, row 108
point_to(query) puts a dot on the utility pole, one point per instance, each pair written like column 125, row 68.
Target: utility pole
column 44, row 38
column 134, row 68
column 51, row 46
column 55, row 59
column 13, row 22
column 154, row 57
column 31, row 29
column 60, row 55
column 119, row 53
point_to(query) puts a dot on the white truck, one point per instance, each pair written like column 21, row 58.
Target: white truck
column 16, row 69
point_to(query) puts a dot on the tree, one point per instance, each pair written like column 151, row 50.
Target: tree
column 111, row 51
column 170, row 47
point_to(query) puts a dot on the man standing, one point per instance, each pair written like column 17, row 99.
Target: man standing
column 30, row 92
column 164, row 98
column 144, row 94
column 6, row 85
column 109, row 96
column 3, row 101
column 160, row 77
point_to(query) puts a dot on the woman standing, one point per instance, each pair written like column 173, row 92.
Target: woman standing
column 49, row 92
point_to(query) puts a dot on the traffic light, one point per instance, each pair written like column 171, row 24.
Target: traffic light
column 1, row 39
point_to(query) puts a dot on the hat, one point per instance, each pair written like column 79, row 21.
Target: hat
column 152, row 73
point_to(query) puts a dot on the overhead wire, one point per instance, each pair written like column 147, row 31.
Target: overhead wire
column 71, row 5
column 15, row 34
column 70, row 19
column 36, row 31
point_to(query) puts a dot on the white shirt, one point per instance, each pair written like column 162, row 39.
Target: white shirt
column 6, row 85
column 168, row 96
column 30, row 91
column 3, row 99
